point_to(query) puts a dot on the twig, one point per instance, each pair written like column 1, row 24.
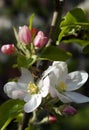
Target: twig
column 25, row 121
column 54, row 29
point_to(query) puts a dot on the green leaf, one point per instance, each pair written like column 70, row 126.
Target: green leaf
column 73, row 21
column 31, row 21
column 16, row 34
column 63, row 32
column 78, row 41
column 22, row 61
column 55, row 54
column 75, row 17
column 8, row 111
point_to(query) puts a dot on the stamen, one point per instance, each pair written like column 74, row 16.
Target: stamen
column 61, row 87
column 32, row 88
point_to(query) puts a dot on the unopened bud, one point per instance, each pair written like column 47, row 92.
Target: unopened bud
column 69, row 110
column 24, row 35
column 52, row 118
column 40, row 40
column 8, row 49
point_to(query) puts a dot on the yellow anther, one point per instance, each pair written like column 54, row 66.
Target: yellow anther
column 61, row 87
column 32, row 88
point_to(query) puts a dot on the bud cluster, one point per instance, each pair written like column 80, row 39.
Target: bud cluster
column 26, row 36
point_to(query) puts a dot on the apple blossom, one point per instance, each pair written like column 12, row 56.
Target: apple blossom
column 62, row 84
column 24, row 34
column 8, row 49
column 25, row 89
column 40, row 40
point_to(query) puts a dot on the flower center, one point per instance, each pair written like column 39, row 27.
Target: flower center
column 61, row 87
column 32, row 88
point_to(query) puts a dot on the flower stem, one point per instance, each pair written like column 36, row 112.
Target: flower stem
column 25, row 121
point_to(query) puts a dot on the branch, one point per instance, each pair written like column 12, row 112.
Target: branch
column 54, row 29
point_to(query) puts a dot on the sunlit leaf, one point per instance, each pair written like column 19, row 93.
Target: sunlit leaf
column 9, row 110
column 75, row 17
column 31, row 21
column 73, row 22
column 78, row 41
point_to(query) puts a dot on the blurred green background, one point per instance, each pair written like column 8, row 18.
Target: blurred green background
column 16, row 13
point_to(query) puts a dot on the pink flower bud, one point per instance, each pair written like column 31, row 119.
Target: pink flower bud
column 40, row 40
column 52, row 118
column 24, row 35
column 8, row 49
column 69, row 110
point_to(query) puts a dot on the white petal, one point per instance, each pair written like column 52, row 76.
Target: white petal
column 58, row 68
column 26, row 76
column 75, row 80
column 52, row 84
column 63, row 98
column 13, row 91
column 53, row 92
column 27, row 97
column 47, row 72
column 44, row 85
column 9, row 87
column 53, row 79
column 18, row 94
column 59, row 74
column 33, row 103
column 22, row 86
column 77, row 97
column 60, row 64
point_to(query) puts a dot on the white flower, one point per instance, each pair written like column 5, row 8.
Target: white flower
column 25, row 89
column 62, row 84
